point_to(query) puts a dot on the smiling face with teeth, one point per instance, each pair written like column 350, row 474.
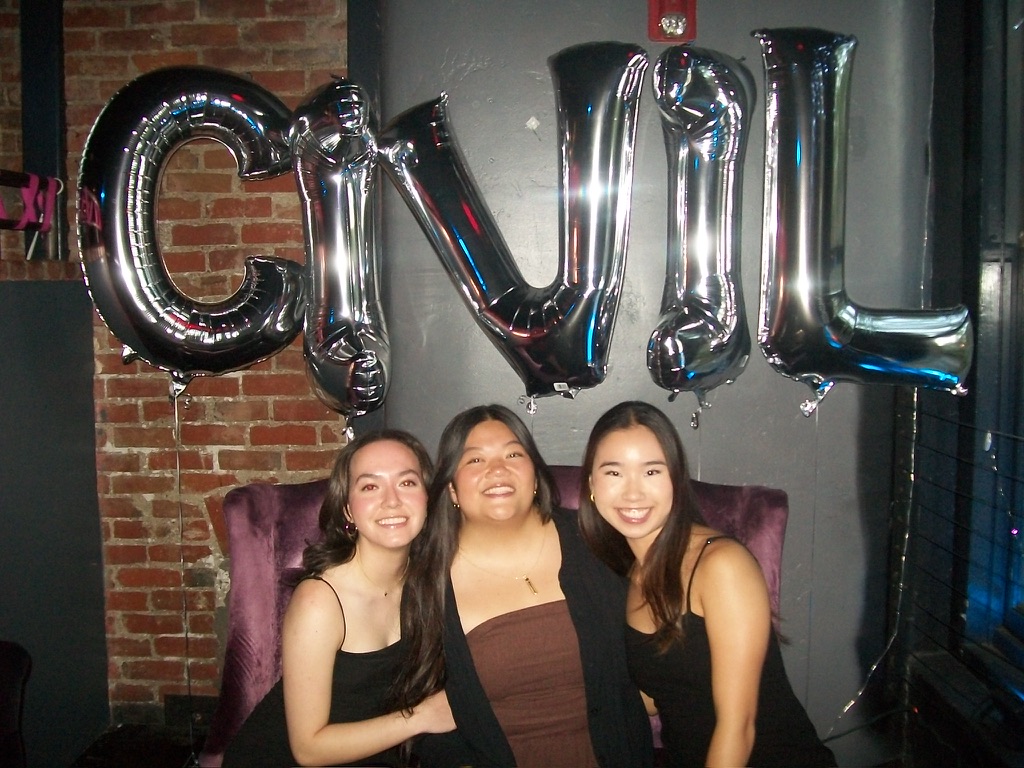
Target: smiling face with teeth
column 495, row 480
column 631, row 485
column 387, row 498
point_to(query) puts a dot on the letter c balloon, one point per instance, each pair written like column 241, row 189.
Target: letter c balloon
column 118, row 185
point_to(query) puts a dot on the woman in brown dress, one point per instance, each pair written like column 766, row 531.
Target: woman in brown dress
column 532, row 621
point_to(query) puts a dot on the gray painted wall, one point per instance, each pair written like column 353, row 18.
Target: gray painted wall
column 490, row 56
column 51, row 565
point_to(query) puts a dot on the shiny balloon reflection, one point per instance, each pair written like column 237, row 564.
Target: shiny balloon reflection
column 131, row 141
column 810, row 330
column 345, row 339
column 702, row 340
column 556, row 338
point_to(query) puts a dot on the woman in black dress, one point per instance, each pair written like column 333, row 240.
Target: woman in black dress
column 699, row 635
column 348, row 693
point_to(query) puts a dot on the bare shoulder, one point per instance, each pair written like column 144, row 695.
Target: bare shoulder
column 726, row 571
column 314, row 603
column 312, row 632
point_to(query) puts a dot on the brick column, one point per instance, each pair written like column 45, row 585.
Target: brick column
column 163, row 472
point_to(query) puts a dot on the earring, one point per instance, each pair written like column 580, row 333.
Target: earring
column 591, row 497
column 456, row 505
column 350, row 530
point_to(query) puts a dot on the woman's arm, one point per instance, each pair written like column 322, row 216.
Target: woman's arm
column 730, row 591
column 314, row 629
column 649, row 704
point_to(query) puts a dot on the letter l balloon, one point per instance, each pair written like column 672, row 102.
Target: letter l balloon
column 810, row 330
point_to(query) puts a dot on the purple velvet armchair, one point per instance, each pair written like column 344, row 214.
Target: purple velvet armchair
column 269, row 526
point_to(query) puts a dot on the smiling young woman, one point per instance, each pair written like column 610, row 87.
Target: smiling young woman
column 699, row 636
column 350, row 691
column 532, row 622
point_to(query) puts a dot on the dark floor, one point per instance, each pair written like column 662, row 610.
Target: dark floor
column 134, row 746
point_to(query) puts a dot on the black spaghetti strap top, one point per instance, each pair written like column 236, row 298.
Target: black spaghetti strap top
column 689, row 584
column 359, row 691
column 679, row 681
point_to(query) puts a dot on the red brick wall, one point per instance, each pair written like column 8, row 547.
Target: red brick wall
column 158, row 464
column 10, row 119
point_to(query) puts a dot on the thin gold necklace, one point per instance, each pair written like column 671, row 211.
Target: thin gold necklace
column 525, row 577
column 359, row 562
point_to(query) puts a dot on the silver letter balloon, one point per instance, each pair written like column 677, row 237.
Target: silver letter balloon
column 556, row 338
column 810, row 330
column 345, row 338
column 702, row 339
column 126, row 151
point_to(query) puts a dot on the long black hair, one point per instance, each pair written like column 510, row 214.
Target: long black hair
column 661, row 581
column 434, row 550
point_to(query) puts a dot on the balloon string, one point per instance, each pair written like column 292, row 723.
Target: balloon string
column 901, row 583
column 700, row 453
column 929, row 213
column 193, row 759
column 888, row 644
column 814, row 572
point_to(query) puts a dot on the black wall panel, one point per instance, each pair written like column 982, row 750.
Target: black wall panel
column 51, row 566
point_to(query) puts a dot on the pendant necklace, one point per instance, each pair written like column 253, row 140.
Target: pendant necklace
column 359, row 562
column 525, row 577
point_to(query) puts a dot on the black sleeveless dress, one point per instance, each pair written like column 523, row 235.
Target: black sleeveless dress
column 679, row 681
column 359, row 690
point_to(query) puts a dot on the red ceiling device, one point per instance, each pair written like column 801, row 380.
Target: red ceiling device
column 672, row 21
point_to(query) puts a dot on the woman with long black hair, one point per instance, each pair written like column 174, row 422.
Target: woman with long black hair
column 532, row 622
column 699, row 634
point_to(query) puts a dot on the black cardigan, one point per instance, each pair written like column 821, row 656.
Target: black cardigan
column 620, row 730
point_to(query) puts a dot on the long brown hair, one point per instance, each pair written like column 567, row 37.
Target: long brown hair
column 336, row 546
column 661, row 582
column 435, row 548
